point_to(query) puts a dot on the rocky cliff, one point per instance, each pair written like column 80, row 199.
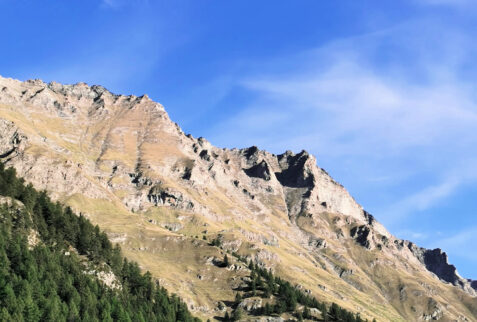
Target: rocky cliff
column 164, row 195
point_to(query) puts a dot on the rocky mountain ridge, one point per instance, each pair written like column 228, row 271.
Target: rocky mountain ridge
column 120, row 159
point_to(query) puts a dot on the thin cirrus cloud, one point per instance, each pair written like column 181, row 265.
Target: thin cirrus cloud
column 453, row 3
column 109, row 3
column 462, row 174
column 114, row 4
column 460, row 244
column 354, row 100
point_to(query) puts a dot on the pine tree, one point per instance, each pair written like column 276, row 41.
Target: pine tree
column 5, row 315
column 238, row 298
column 31, row 310
column 254, row 287
column 280, row 307
column 251, row 266
column 237, row 314
column 291, row 301
column 267, row 310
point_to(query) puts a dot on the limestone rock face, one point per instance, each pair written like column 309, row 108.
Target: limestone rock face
column 165, row 196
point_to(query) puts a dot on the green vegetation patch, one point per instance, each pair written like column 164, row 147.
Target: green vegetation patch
column 51, row 280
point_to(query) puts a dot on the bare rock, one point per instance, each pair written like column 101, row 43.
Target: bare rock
column 316, row 242
column 362, row 235
column 434, row 311
column 260, row 170
column 251, row 303
column 436, row 261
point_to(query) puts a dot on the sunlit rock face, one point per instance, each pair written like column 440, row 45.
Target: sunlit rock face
column 164, row 195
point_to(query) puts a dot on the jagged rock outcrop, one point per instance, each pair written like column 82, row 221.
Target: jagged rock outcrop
column 362, row 235
column 473, row 284
column 260, row 170
column 165, row 196
column 296, row 170
column 436, row 261
column 11, row 142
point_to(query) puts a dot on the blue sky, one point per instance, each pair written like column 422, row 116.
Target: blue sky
column 383, row 93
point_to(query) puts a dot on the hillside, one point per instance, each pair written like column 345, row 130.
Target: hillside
column 165, row 196
column 57, row 266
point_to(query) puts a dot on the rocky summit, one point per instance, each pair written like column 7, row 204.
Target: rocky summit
column 169, row 199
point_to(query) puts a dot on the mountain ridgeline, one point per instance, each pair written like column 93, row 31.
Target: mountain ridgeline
column 177, row 205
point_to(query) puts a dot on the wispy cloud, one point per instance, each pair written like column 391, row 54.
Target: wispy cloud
column 457, row 176
column 415, row 236
column 109, row 3
column 116, row 4
column 461, row 243
column 453, row 3
column 353, row 100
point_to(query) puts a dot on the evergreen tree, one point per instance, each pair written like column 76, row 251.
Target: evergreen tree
column 238, row 298
column 237, row 314
column 267, row 310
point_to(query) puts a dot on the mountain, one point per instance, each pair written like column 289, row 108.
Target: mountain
column 169, row 199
